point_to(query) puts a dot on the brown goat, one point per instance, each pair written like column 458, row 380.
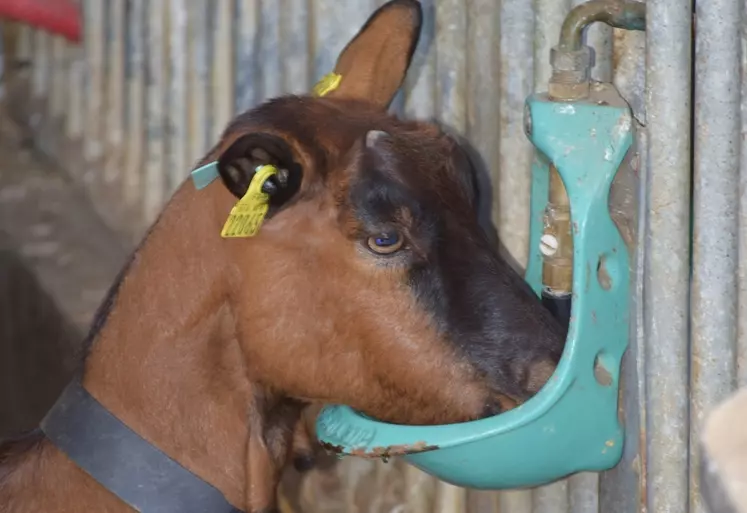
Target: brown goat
column 371, row 283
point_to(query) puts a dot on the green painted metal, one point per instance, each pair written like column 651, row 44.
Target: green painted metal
column 572, row 424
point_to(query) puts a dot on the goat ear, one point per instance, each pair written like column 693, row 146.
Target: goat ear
column 374, row 63
column 239, row 162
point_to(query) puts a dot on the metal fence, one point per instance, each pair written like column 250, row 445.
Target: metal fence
column 130, row 111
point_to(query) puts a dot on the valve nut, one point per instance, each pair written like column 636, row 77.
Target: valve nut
column 571, row 70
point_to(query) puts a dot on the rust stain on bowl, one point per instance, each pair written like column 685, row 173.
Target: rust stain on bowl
column 383, row 453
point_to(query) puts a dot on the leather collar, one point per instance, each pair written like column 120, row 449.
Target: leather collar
column 124, row 463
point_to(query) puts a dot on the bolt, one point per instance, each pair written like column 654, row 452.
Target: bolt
column 548, row 245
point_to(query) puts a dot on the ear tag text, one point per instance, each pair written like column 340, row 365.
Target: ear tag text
column 249, row 212
column 327, row 84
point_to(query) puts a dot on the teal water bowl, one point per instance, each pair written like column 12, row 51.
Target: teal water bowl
column 572, row 424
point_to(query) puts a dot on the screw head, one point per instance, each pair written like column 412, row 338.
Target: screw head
column 548, row 244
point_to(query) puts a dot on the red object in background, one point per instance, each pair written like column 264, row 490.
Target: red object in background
column 61, row 17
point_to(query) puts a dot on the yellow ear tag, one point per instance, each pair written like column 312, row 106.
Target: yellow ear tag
column 249, row 212
column 327, row 84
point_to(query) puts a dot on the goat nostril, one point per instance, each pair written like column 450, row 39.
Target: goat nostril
column 304, row 462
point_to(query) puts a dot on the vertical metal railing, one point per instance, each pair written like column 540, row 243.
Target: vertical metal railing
column 717, row 123
column 667, row 263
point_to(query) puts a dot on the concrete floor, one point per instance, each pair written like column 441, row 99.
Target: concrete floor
column 57, row 260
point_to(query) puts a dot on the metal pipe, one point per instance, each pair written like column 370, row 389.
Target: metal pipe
column 95, row 47
column 420, row 85
column 155, row 94
column 512, row 191
column 115, row 87
column 571, row 60
column 294, row 52
column 549, row 16
column 222, row 83
column 742, row 238
column 512, row 195
column 271, row 78
column 715, row 217
column 557, row 241
column 451, row 66
column 177, row 112
column 615, row 13
column 666, row 287
column 199, row 91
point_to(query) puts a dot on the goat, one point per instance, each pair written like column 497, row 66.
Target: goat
column 371, row 283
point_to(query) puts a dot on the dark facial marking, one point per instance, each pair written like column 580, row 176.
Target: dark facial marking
column 485, row 308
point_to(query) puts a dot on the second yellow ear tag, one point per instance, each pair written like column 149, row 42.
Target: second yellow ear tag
column 327, row 84
column 249, row 212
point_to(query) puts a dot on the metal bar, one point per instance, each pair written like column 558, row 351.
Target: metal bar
column 516, row 152
column 271, row 77
column 583, row 493
column 742, row 238
column 335, row 24
column 200, row 136
column 154, row 185
column 115, row 112
column 95, row 45
column 715, row 227
column 56, row 107
column 420, row 84
column 599, row 37
column 619, row 488
column 222, row 67
column 5, row 52
column 24, row 44
column 450, row 499
column 483, row 105
column 247, row 34
column 629, row 54
column 177, row 118
column 40, row 70
column 451, row 108
column 616, row 13
column 294, row 46
column 75, row 91
column 451, row 66
column 135, row 77
column 583, row 488
column 549, row 16
column 666, row 307
column 483, row 78
column 73, row 128
column 420, row 490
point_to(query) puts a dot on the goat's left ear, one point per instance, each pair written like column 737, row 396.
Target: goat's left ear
column 374, row 63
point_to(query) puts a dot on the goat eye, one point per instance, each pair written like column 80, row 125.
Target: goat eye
column 385, row 243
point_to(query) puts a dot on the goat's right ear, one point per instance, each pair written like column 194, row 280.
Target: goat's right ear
column 374, row 63
column 238, row 163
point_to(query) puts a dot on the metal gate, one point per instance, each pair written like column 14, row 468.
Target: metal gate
column 131, row 110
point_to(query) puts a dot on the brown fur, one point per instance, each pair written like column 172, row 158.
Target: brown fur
column 213, row 347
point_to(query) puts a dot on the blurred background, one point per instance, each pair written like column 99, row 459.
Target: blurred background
column 98, row 128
